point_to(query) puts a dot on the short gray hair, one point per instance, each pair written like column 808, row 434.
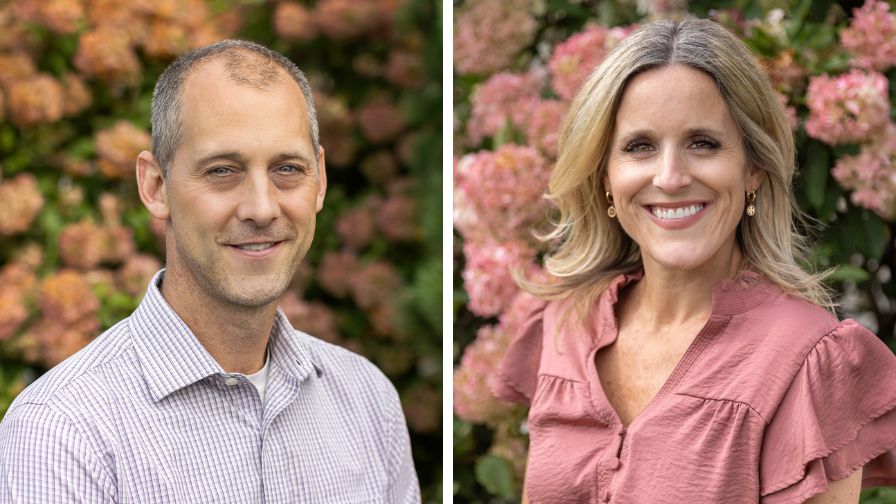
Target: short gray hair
column 246, row 62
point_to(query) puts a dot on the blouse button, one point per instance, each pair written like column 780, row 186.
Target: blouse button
column 606, row 496
column 614, row 463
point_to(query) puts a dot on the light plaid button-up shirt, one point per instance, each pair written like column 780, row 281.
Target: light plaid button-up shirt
column 144, row 414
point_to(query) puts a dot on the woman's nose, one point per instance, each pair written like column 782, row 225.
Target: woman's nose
column 672, row 172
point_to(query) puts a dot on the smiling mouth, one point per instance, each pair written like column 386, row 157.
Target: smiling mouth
column 255, row 247
column 676, row 213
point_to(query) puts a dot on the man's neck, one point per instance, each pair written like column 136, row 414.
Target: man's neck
column 235, row 336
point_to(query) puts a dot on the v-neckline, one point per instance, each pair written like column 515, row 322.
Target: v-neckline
column 728, row 298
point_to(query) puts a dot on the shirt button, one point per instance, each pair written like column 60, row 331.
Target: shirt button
column 606, row 497
column 231, row 381
column 614, row 463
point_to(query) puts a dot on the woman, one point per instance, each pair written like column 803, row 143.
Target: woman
column 683, row 355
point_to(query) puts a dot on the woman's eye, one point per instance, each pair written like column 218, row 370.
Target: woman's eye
column 638, row 146
column 705, row 143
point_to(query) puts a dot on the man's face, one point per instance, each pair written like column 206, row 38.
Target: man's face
column 244, row 189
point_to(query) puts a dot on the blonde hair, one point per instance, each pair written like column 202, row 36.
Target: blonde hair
column 591, row 249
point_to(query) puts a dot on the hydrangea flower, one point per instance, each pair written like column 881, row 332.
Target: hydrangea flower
column 871, row 174
column 498, row 195
column 544, row 124
column 505, row 98
column 576, row 57
column 488, row 274
column 847, row 108
column 870, row 37
column 488, row 34
column 22, row 201
column 473, row 400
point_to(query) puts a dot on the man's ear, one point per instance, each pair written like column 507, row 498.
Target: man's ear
column 322, row 179
column 151, row 185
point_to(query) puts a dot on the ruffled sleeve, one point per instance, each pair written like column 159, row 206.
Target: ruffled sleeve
column 517, row 373
column 838, row 415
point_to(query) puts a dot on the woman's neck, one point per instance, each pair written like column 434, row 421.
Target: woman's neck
column 668, row 297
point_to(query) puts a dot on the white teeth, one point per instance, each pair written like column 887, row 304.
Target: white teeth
column 256, row 246
column 676, row 213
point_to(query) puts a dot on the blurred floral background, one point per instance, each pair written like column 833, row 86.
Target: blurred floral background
column 517, row 64
column 77, row 248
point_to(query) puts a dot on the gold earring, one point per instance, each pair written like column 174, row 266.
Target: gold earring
column 751, row 208
column 611, row 210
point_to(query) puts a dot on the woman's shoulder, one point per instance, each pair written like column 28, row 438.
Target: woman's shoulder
column 777, row 343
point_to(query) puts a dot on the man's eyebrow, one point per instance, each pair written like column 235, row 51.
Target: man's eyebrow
column 236, row 157
column 292, row 155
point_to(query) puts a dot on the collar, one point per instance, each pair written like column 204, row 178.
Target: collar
column 173, row 358
column 729, row 296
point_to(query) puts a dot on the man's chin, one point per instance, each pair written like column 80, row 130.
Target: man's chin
column 254, row 293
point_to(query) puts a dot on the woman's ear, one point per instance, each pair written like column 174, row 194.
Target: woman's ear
column 755, row 178
column 151, row 186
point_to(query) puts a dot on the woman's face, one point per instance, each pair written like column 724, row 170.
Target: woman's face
column 678, row 171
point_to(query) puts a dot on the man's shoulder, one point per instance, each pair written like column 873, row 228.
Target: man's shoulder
column 82, row 372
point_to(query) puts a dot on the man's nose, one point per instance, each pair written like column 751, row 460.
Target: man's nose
column 671, row 172
column 259, row 200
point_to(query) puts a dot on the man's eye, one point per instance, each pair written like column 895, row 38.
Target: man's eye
column 220, row 171
column 290, row 169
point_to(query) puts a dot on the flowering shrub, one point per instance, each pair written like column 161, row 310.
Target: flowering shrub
column 834, row 73
column 77, row 248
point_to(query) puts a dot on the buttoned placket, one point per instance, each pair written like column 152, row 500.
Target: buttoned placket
column 610, row 466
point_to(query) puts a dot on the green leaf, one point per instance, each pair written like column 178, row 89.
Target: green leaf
column 816, row 174
column 463, row 437
column 876, row 235
column 847, row 272
column 496, row 475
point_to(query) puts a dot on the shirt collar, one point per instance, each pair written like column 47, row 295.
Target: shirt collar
column 173, row 358
column 729, row 296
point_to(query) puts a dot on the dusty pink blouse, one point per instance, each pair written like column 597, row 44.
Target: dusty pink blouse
column 772, row 400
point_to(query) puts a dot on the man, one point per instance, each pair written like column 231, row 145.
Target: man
column 206, row 393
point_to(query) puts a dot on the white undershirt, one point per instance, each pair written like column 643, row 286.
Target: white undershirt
column 260, row 379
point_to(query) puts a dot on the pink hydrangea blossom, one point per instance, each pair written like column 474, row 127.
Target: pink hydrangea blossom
column 659, row 7
column 505, row 98
column 871, row 175
column 498, row 195
column 488, row 34
column 380, row 119
column 847, row 108
column 22, row 201
column 790, row 111
column 398, row 218
column 356, row 226
column 136, row 272
column 576, row 57
column 374, row 284
column 488, row 274
column 336, row 271
column 312, row 317
column 17, row 286
column 473, row 400
column 870, row 37
column 65, row 297
column 346, row 19
column 422, row 405
column 543, row 126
